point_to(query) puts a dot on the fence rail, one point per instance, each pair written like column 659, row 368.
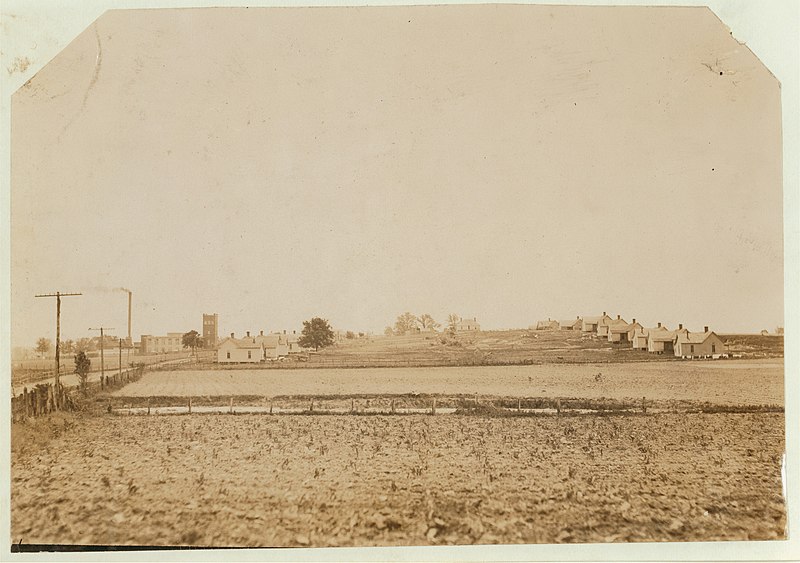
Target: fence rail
column 45, row 398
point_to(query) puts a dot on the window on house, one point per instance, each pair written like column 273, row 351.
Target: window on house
column 229, row 355
column 691, row 349
column 713, row 348
column 249, row 355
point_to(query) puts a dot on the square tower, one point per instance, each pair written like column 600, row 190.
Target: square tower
column 210, row 330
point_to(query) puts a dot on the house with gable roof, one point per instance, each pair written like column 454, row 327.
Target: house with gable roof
column 591, row 324
column 704, row 344
column 622, row 332
column 604, row 324
column 549, row 324
column 570, row 324
column 663, row 341
column 639, row 335
column 276, row 345
column 234, row 350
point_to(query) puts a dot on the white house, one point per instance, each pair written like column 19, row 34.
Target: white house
column 663, row 341
column 240, row 350
column 465, row 325
column 275, row 345
column 639, row 336
column 603, row 325
column 549, row 324
column 622, row 332
column 699, row 345
column 570, row 324
column 591, row 324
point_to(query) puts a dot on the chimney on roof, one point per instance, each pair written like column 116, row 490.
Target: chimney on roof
column 617, row 317
column 284, row 331
column 634, row 322
column 680, row 327
column 604, row 313
column 706, row 329
column 659, row 325
column 261, row 333
column 294, row 332
column 248, row 334
column 231, row 335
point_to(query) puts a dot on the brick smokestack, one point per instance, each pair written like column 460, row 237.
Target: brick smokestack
column 130, row 300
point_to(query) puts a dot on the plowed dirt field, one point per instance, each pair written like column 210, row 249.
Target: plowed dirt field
column 723, row 381
column 260, row 480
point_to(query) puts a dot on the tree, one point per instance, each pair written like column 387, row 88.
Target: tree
column 452, row 321
column 350, row 335
column 317, row 333
column 193, row 340
column 82, row 367
column 405, row 323
column 388, row 331
column 43, row 346
column 426, row 321
column 68, row 347
column 84, row 345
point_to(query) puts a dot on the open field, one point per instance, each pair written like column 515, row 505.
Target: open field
column 252, row 480
column 519, row 346
column 723, row 382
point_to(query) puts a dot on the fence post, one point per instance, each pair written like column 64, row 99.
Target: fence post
column 25, row 401
column 433, row 406
column 190, row 405
column 230, row 407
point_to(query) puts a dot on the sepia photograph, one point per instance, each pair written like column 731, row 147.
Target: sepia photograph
column 398, row 276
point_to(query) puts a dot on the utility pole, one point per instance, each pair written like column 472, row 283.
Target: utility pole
column 58, row 295
column 120, row 358
column 102, row 358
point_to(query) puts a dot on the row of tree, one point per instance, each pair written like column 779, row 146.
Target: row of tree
column 45, row 345
column 408, row 323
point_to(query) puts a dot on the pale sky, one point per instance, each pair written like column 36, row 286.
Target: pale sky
column 510, row 163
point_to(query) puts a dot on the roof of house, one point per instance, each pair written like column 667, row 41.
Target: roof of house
column 244, row 343
column 662, row 336
column 694, row 337
column 270, row 340
column 569, row 322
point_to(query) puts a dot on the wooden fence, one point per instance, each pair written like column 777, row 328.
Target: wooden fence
column 45, row 398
